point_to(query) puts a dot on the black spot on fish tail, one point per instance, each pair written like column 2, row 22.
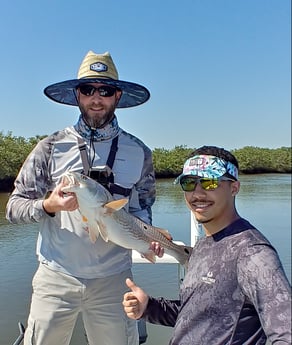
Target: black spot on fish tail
column 188, row 250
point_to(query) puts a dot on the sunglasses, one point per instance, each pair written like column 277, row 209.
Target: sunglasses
column 103, row 91
column 189, row 184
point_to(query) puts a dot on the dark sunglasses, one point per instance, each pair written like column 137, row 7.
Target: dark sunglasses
column 189, row 184
column 103, row 91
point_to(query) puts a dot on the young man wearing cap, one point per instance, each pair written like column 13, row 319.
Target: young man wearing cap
column 235, row 290
column 76, row 275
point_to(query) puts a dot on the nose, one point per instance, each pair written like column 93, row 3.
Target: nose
column 96, row 96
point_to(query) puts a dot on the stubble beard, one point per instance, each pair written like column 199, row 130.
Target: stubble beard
column 98, row 121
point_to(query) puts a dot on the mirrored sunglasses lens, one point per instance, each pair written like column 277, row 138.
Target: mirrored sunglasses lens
column 188, row 184
column 209, row 184
column 103, row 91
column 106, row 91
column 87, row 90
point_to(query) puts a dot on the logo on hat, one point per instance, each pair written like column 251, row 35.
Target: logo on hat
column 197, row 162
column 98, row 67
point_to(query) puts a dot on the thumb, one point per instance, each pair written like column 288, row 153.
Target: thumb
column 131, row 285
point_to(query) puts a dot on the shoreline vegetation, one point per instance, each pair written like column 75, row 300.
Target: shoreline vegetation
column 168, row 163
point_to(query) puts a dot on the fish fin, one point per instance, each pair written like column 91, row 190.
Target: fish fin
column 89, row 228
column 150, row 256
column 165, row 233
column 116, row 204
column 92, row 235
column 103, row 232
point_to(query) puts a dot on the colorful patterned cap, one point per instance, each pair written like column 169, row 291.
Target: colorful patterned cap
column 208, row 166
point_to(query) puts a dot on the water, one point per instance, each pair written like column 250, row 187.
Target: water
column 265, row 200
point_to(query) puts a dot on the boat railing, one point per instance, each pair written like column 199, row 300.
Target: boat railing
column 19, row 339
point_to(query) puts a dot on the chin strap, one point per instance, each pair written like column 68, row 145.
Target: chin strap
column 83, row 154
column 111, row 186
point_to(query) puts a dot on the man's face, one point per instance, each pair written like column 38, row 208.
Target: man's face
column 97, row 105
column 213, row 208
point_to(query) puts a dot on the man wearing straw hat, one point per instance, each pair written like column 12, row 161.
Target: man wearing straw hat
column 75, row 275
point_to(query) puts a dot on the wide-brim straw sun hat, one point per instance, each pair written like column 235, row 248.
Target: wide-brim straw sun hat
column 98, row 68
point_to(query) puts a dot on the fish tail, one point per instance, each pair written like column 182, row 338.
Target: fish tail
column 183, row 258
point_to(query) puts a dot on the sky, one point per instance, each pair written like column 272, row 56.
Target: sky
column 219, row 71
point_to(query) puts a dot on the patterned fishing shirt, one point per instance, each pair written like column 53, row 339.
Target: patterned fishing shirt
column 235, row 292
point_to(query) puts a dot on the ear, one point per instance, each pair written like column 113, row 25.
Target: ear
column 77, row 94
column 235, row 186
column 118, row 96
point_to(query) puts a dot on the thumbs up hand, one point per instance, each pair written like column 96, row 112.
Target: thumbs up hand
column 135, row 301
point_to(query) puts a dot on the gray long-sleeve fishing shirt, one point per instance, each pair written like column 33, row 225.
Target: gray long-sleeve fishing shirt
column 62, row 242
column 235, row 292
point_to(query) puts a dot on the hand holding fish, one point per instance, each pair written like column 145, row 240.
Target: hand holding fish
column 135, row 301
column 60, row 201
column 157, row 249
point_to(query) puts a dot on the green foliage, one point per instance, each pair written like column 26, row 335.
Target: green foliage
column 167, row 163
column 13, row 151
column 252, row 160
column 264, row 160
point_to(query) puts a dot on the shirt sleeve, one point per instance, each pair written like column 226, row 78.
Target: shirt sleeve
column 161, row 311
column 144, row 191
column 263, row 281
column 25, row 205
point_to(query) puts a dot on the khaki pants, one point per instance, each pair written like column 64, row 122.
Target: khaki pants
column 58, row 298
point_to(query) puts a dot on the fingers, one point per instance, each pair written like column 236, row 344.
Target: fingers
column 132, row 306
column 135, row 301
column 59, row 201
column 70, row 204
column 132, row 309
column 157, row 249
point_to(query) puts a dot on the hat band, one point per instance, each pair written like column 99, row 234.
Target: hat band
column 208, row 166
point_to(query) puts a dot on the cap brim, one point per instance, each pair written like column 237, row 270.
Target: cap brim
column 64, row 92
